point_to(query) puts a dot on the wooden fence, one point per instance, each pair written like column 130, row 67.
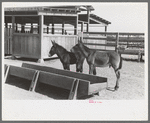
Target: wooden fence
column 8, row 40
column 125, row 43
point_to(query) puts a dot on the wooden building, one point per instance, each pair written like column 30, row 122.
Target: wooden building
column 29, row 30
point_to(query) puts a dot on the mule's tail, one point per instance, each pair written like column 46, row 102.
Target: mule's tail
column 120, row 65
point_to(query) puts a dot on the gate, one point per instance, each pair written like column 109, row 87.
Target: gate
column 8, row 40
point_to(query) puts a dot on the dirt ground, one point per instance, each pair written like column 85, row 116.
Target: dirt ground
column 132, row 84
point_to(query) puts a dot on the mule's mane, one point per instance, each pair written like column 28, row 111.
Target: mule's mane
column 85, row 50
column 62, row 48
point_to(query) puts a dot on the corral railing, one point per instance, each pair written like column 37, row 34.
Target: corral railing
column 126, row 43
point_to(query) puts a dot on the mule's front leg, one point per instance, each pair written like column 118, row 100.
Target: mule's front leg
column 66, row 67
column 78, row 67
column 94, row 71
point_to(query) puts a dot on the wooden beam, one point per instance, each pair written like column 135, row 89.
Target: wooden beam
column 76, row 26
column 105, row 28
column 47, row 29
column 80, row 21
column 98, row 21
column 16, row 28
column 82, row 25
column 13, row 23
column 34, row 81
column 41, row 21
column 63, row 23
column 57, row 14
column 31, row 31
column 6, row 74
column 21, row 72
column 6, row 25
column 73, row 91
column 53, row 26
column 88, row 20
column 117, row 42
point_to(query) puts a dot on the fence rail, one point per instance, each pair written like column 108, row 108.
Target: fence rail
column 131, row 43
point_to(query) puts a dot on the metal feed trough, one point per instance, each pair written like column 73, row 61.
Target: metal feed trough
column 78, row 84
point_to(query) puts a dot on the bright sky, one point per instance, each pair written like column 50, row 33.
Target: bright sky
column 124, row 17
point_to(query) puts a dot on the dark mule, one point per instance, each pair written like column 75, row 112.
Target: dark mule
column 80, row 58
column 102, row 59
column 65, row 57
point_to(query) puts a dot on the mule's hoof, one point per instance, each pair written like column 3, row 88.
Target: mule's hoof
column 116, row 88
column 110, row 89
column 97, row 93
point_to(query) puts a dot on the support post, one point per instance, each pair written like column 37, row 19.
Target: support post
column 106, row 36
column 105, row 29
column 23, row 26
column 82, row 24
column 41, row 20
column 139, row 56
column 117, row 42
column 6, row 25
column 47, row 28
column 88, row 16
column 13, row 23
column 63, row 27
column 31, row 31
column 76, row 26
column 16, row 28
column 53, row 26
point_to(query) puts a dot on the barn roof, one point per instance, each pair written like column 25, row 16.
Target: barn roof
column 94, row 19
column 57, row 10
column 61, row 9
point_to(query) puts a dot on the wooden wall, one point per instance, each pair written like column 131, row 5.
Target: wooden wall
column 26, row 45
column 8, row 40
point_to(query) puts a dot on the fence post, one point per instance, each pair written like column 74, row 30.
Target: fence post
column 80, row 36
column 117, row 42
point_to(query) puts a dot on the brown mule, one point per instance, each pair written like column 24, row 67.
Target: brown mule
column 102, row 59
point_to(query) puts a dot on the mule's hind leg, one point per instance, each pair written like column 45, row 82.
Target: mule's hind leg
column 117, row 72
column 118, row 78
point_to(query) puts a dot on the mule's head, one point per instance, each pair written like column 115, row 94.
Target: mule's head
column 75, row 49
column 53, row 49
column 80, row 43
column 85, row 50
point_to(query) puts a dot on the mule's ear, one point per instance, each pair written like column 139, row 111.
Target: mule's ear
column 79, row 40
column 52, row 42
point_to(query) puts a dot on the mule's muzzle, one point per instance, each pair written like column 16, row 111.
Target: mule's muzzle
column 49, row 55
